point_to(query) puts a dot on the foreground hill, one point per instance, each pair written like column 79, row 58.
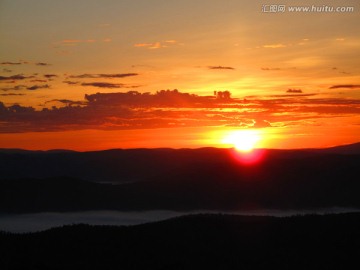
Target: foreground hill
column 192, row 242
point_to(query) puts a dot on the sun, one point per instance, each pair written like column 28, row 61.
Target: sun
column 242, row 140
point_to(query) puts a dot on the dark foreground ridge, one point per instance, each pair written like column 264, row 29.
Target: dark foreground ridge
column 192, row 242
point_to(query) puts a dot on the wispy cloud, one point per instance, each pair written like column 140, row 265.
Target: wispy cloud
column 267, row 68
column 294, row 90
column 67, row 102
column 104, row 85
column 42, row 64
column 349, row 86
column 96, row 76
column 38, row 80
column 143, row 44
column 157, row 44
column 36, row 87
column 274, row 46
column 74, row 41
column 15, row 77
column 71, row 82
column 50, row 76
column 221, row 67
column 11, row 63
column 12, row 94
column 14, row 88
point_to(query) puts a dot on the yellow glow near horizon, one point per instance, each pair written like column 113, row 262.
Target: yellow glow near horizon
column 243, row 140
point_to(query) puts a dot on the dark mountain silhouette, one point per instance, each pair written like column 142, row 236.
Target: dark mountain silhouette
column 182, row 179
column 192, row 242
column 120, row 165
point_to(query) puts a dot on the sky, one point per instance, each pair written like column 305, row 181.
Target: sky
column 99, row 74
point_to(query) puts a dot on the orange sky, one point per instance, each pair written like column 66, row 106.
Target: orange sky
column 294, row 76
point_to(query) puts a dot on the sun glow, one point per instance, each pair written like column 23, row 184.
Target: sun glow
column 242, row 140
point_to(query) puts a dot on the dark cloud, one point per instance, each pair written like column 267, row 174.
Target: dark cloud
column 15, row 77
column 95, row 76
column 67, row 102
column 71, row 82
column 36, row 87
column 37, row 80
column 294, row 90
column 14, row 88
column 349, row 86
column 104, row 85
column 171, row 108
column 11, row 63
column 12, row 94
column 221, row 67
column 42, row 64
column 6, row 70
column 50, row 76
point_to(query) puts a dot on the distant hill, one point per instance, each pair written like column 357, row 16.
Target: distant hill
column 192, row 242
column 214, row 183
column 350, row 149
column 124, row 165
column 183, row 179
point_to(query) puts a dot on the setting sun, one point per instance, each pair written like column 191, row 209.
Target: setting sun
column 242, row 140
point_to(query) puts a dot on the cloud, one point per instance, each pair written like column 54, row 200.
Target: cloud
column 172, row 108
column 67, row 102
column 42, row 64
column 274, row 46
column 104, row 85
column 6, row 70
column 292, row 95
column 50, row 76
column 11, row 63
column 15, row 88
column 25, row 62
column 266, row 68
column 221, row 67
column 349, row 86
column 12, row 94
column 15, row 77
column 71, row 82
column 143, row 44
column 261, row 124
column 38, row 80
column 74, row 41
column 294, row 90
column 96, row 76
column 157, row 44
column 36, row 87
